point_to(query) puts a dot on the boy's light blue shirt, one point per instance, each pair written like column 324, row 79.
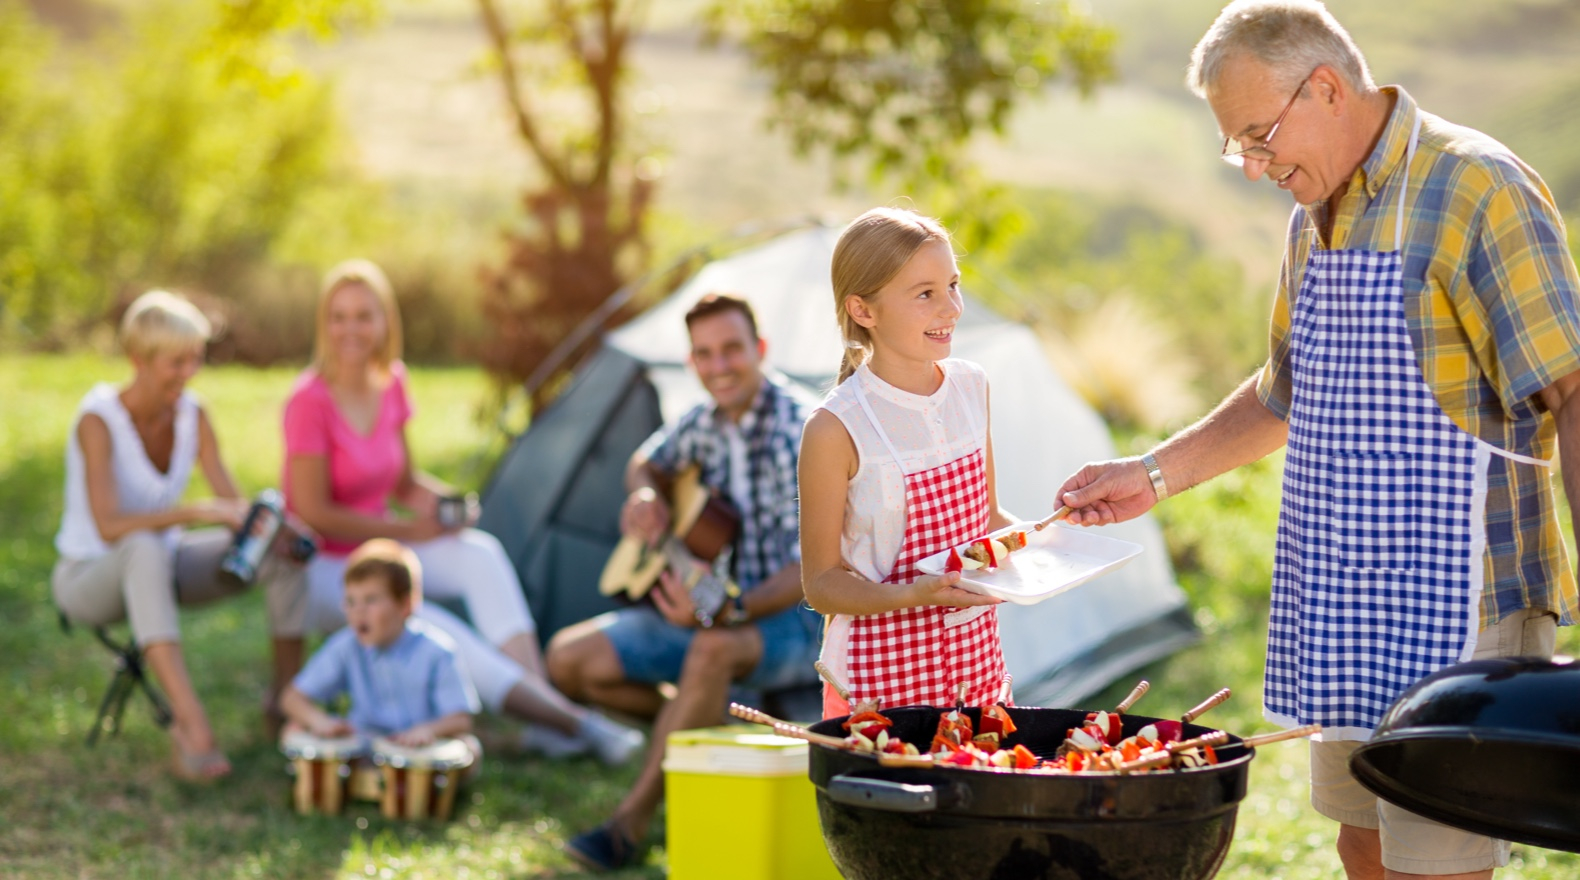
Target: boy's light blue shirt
column 415, row 680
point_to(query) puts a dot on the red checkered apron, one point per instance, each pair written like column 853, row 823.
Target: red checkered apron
column 917, row 656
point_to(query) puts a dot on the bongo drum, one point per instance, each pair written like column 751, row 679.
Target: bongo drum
column 323, row 769
column 420, row 781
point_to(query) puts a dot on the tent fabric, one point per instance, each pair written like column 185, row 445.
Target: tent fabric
column 554, row 502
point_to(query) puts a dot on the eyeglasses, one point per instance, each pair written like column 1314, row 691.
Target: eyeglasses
column 1259, row 151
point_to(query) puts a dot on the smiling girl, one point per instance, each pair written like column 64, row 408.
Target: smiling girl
column 895, row 466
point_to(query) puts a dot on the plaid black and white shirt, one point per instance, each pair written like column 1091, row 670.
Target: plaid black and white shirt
column 770, row 434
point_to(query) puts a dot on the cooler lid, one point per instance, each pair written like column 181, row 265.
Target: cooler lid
column 734, row 750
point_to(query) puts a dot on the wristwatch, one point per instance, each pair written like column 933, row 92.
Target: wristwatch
column 735, row 612
column 1155, row 474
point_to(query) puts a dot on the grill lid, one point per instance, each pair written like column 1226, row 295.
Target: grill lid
column 1489, row 746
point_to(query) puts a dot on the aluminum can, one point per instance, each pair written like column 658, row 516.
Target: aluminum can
column 251, row 544
column 453, row 509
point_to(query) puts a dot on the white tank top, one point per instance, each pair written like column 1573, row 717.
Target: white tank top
column 926, row 432
column 139, row 486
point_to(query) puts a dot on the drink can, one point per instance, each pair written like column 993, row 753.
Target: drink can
column 251, row 544
column 453, row 510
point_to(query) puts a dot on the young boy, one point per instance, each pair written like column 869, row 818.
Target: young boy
column 402, row 675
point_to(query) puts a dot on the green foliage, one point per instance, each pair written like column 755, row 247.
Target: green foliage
column 134, row 161
column 1544, row 129
column 1078, row 251
column 585, row 230
column 902, row 88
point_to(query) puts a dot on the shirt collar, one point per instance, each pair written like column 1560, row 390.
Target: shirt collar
column 870, row 382
column 1385, row 158
column 762, row 405
column 402, row 644
column 1388, row 155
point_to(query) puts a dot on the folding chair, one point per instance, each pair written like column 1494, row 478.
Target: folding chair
column 129, row 676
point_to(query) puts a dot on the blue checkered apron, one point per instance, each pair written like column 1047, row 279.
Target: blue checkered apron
column 1378, row 575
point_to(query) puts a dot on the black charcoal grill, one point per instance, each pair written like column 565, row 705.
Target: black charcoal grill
column 882, row 823
column 1490, row 746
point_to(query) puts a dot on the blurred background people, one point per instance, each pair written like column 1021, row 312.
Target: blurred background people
column 347, row 462
column 124, row 551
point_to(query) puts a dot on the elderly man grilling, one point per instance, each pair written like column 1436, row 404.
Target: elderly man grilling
column 1422, row 372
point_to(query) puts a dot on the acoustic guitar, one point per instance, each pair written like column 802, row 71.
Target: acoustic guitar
column 702, row 523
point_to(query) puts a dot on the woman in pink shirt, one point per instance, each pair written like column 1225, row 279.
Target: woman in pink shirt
column 347, row 459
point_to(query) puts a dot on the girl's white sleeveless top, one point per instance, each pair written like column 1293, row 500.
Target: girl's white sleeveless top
column 926, row 430
column 139, row 486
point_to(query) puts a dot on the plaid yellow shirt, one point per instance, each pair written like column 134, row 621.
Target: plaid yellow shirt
column 1493, row 303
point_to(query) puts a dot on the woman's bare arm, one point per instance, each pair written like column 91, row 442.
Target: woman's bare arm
column 93, row 436
column 309, row 491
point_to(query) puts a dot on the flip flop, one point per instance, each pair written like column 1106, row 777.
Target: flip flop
column 206, row 767
column 198, row 766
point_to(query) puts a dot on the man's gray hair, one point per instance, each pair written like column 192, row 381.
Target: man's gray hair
column 1293, row 37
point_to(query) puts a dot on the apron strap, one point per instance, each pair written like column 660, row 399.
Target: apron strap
column 1515, row 456
column 861, row 397
column 1404, row 184
column 1398, row 234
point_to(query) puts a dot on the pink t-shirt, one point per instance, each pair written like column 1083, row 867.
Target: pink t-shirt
column 363, row 470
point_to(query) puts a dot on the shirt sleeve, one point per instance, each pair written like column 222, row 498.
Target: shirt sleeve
column 306, row 422
column 1526, row 294
column 452, row 690
column 671, row 447
column 787, row 452
column 325, row 676
column 1274, row 385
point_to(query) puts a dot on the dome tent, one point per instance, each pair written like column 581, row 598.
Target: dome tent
column 554, row 500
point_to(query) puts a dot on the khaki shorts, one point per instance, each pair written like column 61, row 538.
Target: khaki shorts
column 1410, row 843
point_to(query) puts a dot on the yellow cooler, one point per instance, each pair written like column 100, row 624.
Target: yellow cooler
column 740, row 806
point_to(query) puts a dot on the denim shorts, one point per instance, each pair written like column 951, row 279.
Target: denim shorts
column 652, row 650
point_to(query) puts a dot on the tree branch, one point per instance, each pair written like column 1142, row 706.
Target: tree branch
column 499, row 35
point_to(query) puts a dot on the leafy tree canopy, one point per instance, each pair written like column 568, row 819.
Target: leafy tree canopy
column 900, row 87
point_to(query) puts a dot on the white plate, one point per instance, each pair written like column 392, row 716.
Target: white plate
column 1053, row 560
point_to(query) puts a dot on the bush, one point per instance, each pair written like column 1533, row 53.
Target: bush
column 140, row 157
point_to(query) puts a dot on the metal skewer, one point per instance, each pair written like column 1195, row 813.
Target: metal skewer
column 794, row 731
column 1054, row 517
column 1252, row 742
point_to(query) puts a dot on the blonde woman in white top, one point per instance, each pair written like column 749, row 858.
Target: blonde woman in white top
column 124, row 553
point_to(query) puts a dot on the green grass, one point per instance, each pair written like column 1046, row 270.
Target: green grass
column 112, row 811
column 68, row 811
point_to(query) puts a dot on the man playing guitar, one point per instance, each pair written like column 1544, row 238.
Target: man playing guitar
column 745, row 442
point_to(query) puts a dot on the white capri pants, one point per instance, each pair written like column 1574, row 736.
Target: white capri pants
column 469, row 565
column 142, row 580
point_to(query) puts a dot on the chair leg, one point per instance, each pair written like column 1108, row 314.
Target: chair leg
column 134, row 662
column 111, row 707
column 129, row 676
